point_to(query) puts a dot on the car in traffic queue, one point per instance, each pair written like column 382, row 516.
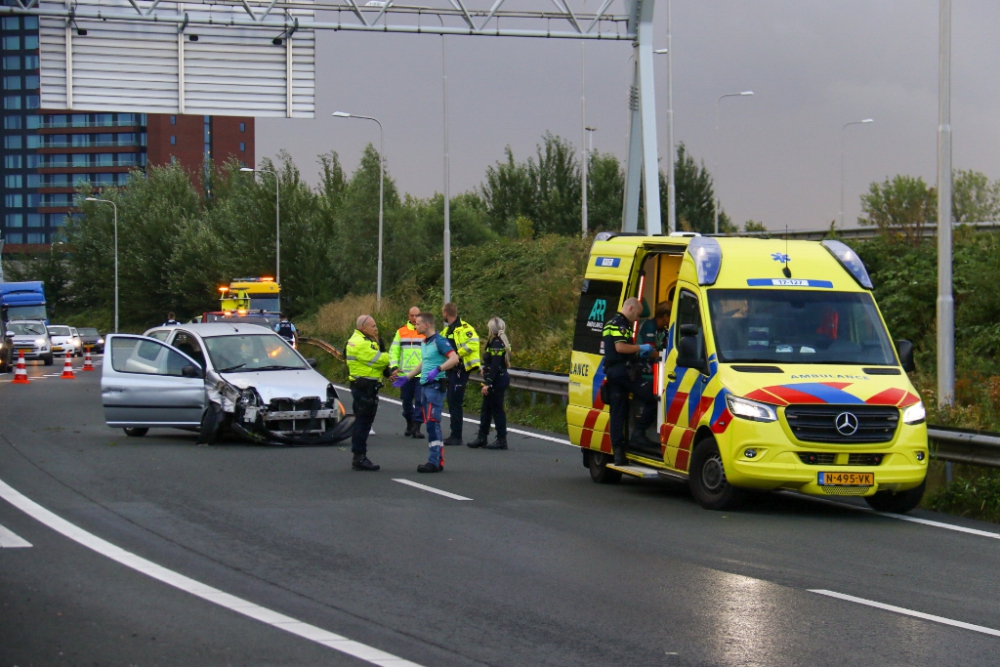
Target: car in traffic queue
column 90, row 337
column 778, row 372
column 219, row 378
column 64, row 341
column 32, row 338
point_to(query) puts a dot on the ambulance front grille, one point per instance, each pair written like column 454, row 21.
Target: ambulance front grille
column 818, row 423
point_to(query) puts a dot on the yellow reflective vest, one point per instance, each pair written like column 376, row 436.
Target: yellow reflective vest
column 404, row 353
column 465, row 340
column 364, row 359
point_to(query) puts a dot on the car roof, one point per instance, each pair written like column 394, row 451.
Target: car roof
column 220, row 329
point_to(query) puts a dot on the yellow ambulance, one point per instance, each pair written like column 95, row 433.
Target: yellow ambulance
column 778, row 371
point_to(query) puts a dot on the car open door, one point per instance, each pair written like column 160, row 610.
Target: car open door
column 147, row 383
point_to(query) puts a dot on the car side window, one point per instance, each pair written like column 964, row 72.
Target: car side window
column 688, row 312
column 146, row 357
column 189, row 345
column 159, row 335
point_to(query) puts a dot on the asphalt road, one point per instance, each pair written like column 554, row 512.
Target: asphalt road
column 540, row 567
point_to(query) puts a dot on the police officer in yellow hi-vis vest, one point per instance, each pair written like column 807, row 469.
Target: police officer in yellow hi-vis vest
column 465, row 341
column 367, row 364
column 404, row 356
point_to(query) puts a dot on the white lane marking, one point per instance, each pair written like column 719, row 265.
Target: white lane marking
column 288, row 624
column 539, row 436
column 446, row 494
column 898, row 517
column 10, row 540
column 909, row 612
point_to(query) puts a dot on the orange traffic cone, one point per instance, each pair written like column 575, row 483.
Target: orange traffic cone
column 88, row 363
column 67, row 373
column 21, row 374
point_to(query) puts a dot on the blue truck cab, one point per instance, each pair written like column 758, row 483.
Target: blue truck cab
column 23, row 301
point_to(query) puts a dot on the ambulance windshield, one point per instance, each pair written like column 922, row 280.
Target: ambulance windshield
column 798, row 326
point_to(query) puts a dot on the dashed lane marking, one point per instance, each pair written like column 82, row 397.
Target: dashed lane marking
column 431, row 489
column 909, row 612
column 10, row 540
column 349, row 647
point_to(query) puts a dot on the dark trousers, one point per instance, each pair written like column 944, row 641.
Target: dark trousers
column 410, row 395
column 492, row 409
column 365, row 406
column 457, row 380
column 642, row 392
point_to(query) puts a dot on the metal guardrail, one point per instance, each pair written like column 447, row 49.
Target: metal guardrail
column 927, row 231
column 951, row 444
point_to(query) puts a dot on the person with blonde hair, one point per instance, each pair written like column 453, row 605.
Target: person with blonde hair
column 496, row 379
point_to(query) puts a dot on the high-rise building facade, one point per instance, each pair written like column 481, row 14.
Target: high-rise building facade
column 48, row 153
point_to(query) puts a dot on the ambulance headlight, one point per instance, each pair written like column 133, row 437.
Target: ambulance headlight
column 915, row 414
column 752, row 410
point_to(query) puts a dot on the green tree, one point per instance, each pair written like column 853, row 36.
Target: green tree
column 506, row 193
column 694, row 196
column 974, row 198
column 903, row 205
column 605, row 192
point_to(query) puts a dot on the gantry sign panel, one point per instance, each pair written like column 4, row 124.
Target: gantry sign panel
column 202, row 65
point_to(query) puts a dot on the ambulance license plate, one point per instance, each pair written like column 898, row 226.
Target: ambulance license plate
column 847, row 479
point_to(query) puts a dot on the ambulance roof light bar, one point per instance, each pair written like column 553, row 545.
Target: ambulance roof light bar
column 707, row 256
column 850, row 261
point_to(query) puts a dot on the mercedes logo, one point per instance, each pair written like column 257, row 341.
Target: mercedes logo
column 846, row 423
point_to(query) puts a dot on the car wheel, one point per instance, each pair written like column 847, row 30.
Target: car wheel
column 48, row 360
column 599, row 471
column 897, row 503
column 136, row 432
column 708, row 478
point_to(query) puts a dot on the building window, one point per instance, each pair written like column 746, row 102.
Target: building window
column 12, row 141
column 32, row 102
column 31, row 82
column 14, row 220
column 35, row 200
column 35, row 161
column 12, row 83
column 173, row 120
column 103, row 120
column 12, row 62
column 173, row 140
column 80, row 120
column 12, row 122
column 34, row 181
column 103, row 160
column 33, row 122
column 13, row 181
column 80, row 160
column 79, row 140
column 31, row 23
column 34, row 141
column 31, row 62
column 12, row 102
column 12, row 43
column 15, row 238
column 57, row 219
column 12, row 161
column 243, row 146
column 30, row 42
column 36, row 238
column 36, row 220
column 243, row 127
column 11, row 23
column 13, row 201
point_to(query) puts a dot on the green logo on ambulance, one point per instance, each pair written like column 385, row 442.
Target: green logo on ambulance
column 597, row 312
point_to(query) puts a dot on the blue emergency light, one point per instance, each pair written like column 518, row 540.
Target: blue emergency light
column 850, row 261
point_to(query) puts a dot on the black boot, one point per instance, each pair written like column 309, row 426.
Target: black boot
column 409, row 429
column 620, row 459
column 499, row 443
column 453, row 440
column 480, row 441
column 416, row 431
column 361, row 462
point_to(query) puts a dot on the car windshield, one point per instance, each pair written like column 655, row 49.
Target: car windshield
column 87, row 331
column 252, row 352
column 59, row 331
column 27, row 328
column 798, row 326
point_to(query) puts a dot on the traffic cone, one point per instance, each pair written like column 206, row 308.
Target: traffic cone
column 67, row 373
column 21, row 374
column 88, row 363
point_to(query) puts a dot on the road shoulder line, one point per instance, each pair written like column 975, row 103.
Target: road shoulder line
column 10, row 540
column 431, row 489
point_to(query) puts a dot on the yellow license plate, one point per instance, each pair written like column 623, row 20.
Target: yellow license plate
column 847, row 479
column 56, row 348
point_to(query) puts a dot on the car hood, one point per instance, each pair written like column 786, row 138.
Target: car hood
column 61, row 340
column 25, row 338
column 281, row 384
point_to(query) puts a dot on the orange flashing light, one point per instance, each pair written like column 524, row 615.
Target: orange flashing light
column 223, row 289
column 268, row 280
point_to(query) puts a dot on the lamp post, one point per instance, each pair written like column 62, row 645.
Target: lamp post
column 843, row 131
column 277, row 218
column 945, row 299
column 447, row 173
column 671, row 185
column 381, row 177
column 108, row 201
column 718, row 105
column 585, row 172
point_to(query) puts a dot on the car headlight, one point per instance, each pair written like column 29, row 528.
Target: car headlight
column 40, row 342
column 752, row 410
column 915, row 414
column 100, row 341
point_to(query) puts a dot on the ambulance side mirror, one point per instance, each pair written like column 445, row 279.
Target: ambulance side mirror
column 689, row 349
column 905, row 350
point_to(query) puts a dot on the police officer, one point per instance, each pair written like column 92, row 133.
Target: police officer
column 170, row 321
column 623, row 374
column 465, row 341
column 286, row 330
column 404, row 356
column 367, row 364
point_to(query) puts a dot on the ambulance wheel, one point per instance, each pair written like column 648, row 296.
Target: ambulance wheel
column 708, row 478
column 599, row 471
column 897, row 503
column 136, row 432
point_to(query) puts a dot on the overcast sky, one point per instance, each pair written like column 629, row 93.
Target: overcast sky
column 813, row 66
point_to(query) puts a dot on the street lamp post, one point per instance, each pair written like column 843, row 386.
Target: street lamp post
column 277, row 218
column 843, row 131
column 585, row 172
column 108, row 201
column 945, row 299
column 381, row 178
column 718, row 105
column 447, row 173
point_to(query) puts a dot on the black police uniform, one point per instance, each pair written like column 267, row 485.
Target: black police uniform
column 286, row 331
column 496, row 377
column 624, row 377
